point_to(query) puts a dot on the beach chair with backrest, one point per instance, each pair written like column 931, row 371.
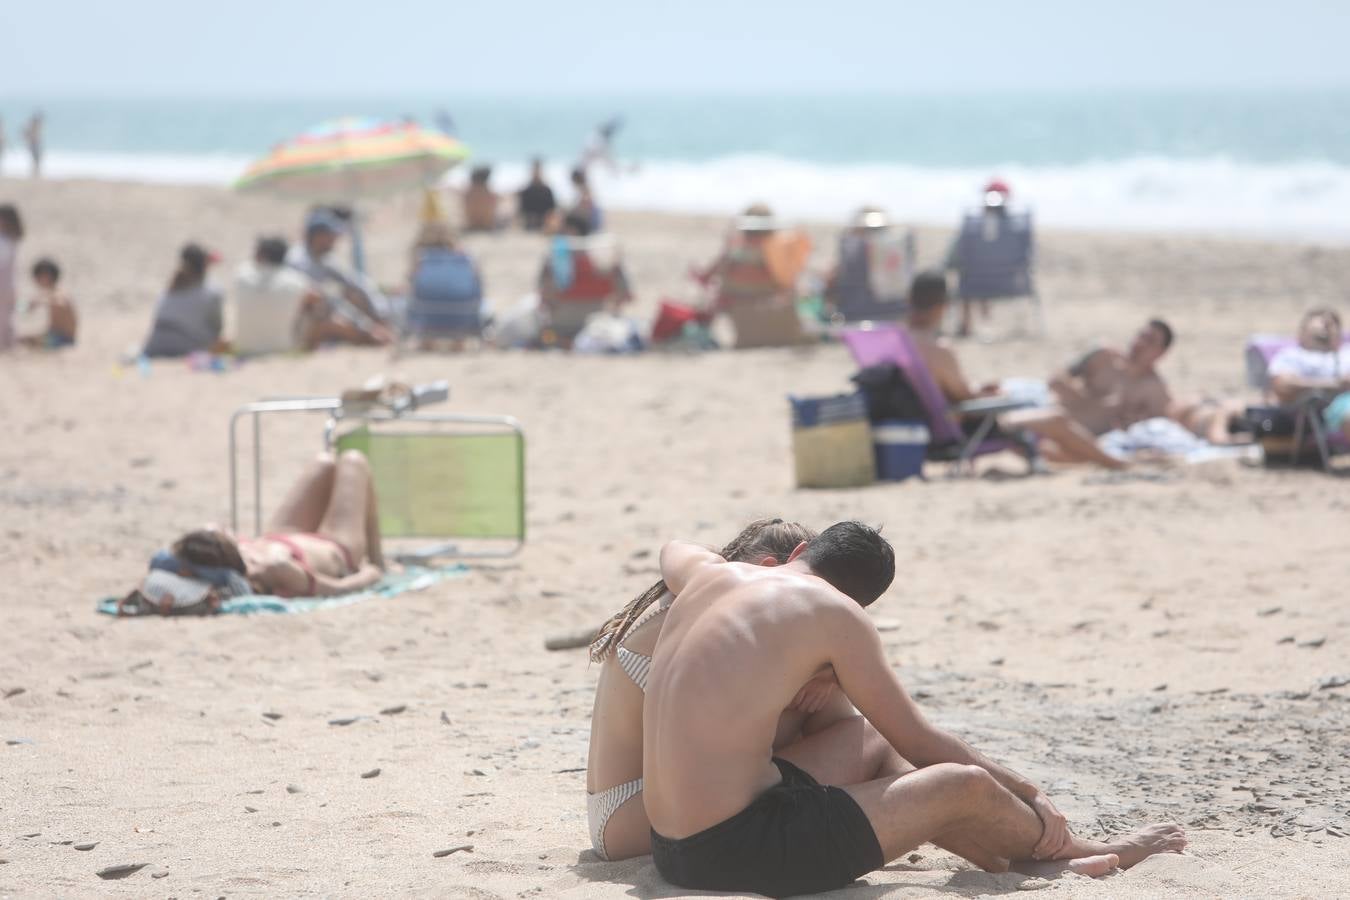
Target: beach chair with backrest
column 758, row 292
column 994, row 259
column 1289, row 431
column 873, row 276
column 595, row 284
column 447, row 296
column 446, row 484
column 948, row 442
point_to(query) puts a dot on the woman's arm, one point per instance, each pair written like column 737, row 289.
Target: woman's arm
column 364, row 577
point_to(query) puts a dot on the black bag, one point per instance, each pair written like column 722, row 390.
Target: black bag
column 1270, row 421
column 889, row 394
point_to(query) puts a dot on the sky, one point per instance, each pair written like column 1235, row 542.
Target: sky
column 290, row 48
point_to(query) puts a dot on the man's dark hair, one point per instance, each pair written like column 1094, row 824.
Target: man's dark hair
column 928, row 290
column 271, row 250
column 48, row 267
column 854, row 558
column 1163, row 329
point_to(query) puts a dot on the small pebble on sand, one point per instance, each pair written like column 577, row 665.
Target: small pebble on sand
column 371, row 774
column 120, row 871
column 87, row 846
column 443, row 853
column 393, row 710
column 294, row 789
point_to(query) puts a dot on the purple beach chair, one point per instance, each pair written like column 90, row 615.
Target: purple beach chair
column 895, row 345
column 1306, row 411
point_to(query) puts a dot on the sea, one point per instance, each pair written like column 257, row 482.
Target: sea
column 1263, row 163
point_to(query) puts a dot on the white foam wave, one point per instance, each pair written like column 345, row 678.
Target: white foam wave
column 1299, row 199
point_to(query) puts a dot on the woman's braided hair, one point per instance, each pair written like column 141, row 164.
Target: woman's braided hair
column 761, row 538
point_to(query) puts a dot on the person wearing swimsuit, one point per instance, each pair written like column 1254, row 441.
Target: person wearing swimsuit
column 323, row 540
column 616, row 817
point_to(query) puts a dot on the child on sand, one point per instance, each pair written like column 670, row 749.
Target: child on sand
column 47, row 319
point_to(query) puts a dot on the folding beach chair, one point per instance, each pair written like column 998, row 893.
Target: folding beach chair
column 595, row 285
column 447, row 297
column 1287, row 431
column 447, row 484
column 993, row 259
column 949, row 441
column 872, row 279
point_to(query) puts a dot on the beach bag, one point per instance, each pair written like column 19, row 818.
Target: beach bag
column 832, row 442
column 889, row 395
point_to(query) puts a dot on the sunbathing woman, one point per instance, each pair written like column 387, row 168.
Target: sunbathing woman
column 323, row 540
column 618, row 822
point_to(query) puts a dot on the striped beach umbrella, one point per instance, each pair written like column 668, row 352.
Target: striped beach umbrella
column 353, row 158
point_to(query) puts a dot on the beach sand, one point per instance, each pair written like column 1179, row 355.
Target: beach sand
column 1145, row 648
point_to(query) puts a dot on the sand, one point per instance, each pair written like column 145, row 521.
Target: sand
column 1146, row 648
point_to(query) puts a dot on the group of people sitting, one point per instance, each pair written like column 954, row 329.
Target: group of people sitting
column 750, row 733
column 286, row 298
column 535, row 202
column 45, row 318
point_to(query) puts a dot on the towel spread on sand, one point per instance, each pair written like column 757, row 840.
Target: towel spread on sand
column 411, row 578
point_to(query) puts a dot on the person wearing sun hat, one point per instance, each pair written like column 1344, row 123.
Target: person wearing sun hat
column 188, row 315
column 989, row 224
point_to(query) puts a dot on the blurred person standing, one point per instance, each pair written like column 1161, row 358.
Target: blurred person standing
column 32, row 134
column 535, row 202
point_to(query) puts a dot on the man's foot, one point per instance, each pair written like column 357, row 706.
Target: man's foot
column 1091, row 866
column 1133, row 848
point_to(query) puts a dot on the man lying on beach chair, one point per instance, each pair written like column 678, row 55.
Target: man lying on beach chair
column 580, row 277
column 1310, row 380
column 734, row 652
column 324, row 540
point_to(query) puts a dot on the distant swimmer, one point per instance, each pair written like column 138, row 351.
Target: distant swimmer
column 33, row 135
column 600, row 147
column 445, row 123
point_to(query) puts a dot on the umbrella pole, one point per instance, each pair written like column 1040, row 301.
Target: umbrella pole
column 358, row 246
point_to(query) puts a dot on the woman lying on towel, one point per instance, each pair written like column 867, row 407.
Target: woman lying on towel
column 323, row 540
column 808, row 730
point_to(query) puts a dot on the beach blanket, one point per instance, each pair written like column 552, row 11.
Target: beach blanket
column 1166, row 438
column 411, row 578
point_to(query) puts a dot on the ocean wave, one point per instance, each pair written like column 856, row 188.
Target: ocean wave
column 1296, row 199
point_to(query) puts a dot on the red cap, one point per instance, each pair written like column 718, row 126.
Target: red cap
column 997, row 186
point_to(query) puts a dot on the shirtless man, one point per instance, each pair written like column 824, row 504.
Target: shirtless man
column 737, row 645
column 1062, row 439
column 1109, row 389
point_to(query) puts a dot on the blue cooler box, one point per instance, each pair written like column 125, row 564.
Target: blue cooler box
column 900, row 448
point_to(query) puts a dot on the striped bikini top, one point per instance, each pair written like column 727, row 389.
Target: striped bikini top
column 634, row 664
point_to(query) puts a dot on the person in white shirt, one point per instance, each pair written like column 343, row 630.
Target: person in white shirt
column 1319, row 362
column 265, row 309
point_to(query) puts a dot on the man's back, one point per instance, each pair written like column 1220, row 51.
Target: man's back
column 266, row 302
column 735, row 648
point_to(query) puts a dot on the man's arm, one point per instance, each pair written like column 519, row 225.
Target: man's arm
column 870, row 683
column 681, row 561
column 1287, row 388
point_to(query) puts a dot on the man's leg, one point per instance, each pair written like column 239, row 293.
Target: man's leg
column 1074, row 441
column 947, row 800
column 850, row 751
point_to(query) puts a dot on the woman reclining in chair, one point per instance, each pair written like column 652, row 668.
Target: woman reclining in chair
column 323, row 540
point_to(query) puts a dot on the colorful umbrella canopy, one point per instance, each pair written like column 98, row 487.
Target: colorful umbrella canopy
column 353, row 158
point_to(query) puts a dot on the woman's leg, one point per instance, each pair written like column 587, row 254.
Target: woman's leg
column 304, row 506
column 374, row 548
column 349, row 505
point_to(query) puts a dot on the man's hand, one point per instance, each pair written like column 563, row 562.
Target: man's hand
column 1055, row 834
column 815, row 693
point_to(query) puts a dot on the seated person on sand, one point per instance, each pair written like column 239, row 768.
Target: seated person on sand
column 445, row 287
column 481, row 202
column 993, row 222
column 324, row 540
column 267, row 306
column 188, row 315
column 1320, row 363
column 1060, row 438
column 575, row 272
column 756, row 266
column 346, row 292
column 48, row 320
column 870, row 261
column 1107, row 389
column 729, row 815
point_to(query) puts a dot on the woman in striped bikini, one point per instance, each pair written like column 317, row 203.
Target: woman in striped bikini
column 618, row 822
